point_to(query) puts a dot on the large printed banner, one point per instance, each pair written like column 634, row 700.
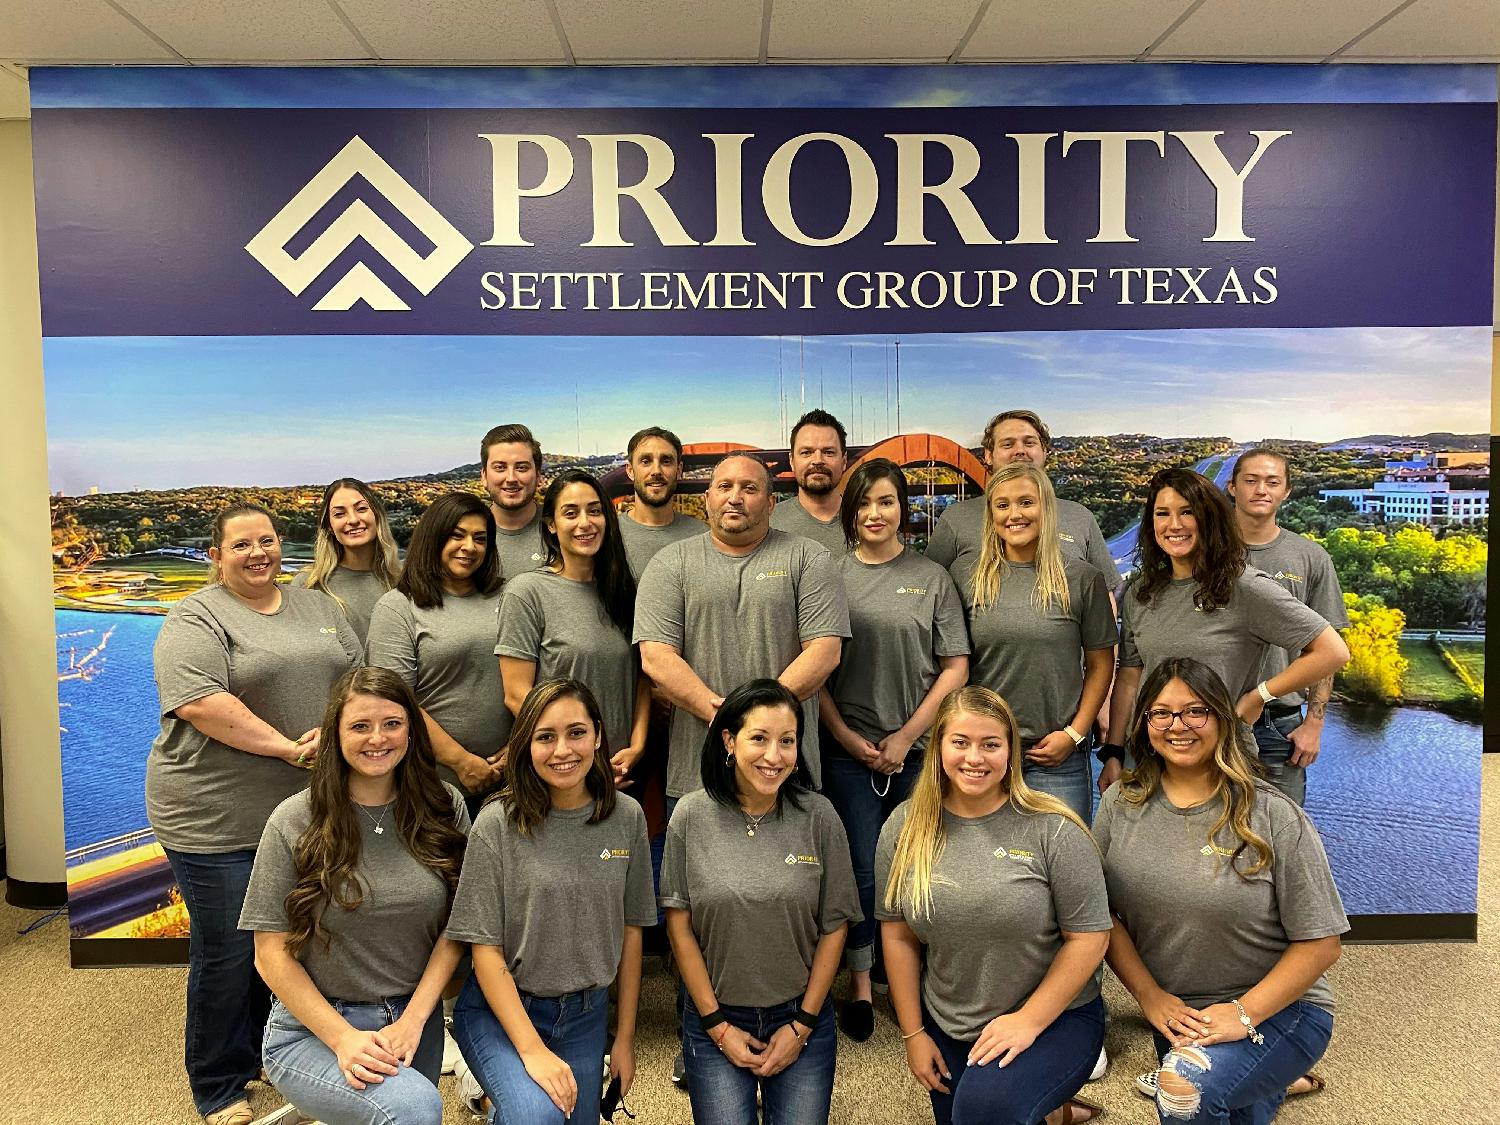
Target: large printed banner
column 256, row 281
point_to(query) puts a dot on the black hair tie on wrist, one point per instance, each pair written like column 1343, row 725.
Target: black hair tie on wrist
column 1110, row 751
column 713, row 1019
column 806, row 1019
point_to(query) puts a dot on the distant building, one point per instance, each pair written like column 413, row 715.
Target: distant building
column 1424, row 496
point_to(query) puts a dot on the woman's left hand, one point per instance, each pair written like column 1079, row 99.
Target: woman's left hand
column 781, row 1052
column 1250, row 707
column 1224, row 1025
column 622, row 1063
column 1052, row 750
column 1003, row 1038
column 403, row 1036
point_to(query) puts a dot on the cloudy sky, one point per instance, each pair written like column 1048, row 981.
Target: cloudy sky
column 167, row 412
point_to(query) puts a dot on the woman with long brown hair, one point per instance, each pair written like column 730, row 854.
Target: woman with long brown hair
column 354, row 556
column 348, row 900
column 1193, row 595
column 555, row 892
column 1226, row 913
column 243, row 668
column 1001, row 884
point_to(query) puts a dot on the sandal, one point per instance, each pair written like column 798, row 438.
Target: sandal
column 1316, row 1084
column 1093, row 1110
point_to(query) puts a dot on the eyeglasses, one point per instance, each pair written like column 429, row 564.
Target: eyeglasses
column 1192, row 717
column 265, row 543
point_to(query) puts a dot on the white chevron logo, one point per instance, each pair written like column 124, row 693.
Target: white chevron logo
column 357, row 221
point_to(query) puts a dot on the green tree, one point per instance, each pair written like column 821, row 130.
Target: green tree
column 1376, row 666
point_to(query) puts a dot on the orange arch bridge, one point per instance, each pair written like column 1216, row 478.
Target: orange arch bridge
column 925, row 449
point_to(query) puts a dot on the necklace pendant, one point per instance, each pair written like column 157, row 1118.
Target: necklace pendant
column 379, row 831
column 749, row 832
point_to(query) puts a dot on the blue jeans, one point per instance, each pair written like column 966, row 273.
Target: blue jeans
column 1069, row 782
column 724, row 1094
column 1276, row 750
column 1032, row 1085
column 227, row 1002
column 1243, row 1083
column 855, row 790
column 306, row 1071
column 573, row 1027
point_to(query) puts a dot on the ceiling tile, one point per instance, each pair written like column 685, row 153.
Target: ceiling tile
column 867, row 29
column 1251, row 29
column 34, row 32
column 1460, row 29
column 673, row 30
column 262, row 31
column 1070, row 29
column 458, row 30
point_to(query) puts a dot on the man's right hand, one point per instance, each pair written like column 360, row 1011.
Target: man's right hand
column 475, row 774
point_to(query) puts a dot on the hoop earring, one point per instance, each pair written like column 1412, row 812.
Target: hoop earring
column 729, row 757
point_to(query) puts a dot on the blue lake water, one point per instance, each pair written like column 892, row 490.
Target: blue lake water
column 1395, row 793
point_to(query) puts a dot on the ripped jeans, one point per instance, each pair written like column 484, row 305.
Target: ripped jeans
column 1241, row 1083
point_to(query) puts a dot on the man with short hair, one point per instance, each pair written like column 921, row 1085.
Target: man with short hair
column 510, row 468
column 819, row 454
column 1011, row 436
column 653, row 462
column 742, row 602
column 1287, row 736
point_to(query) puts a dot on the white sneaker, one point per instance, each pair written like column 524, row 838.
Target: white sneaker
column 1145, row 1084
column 451, row 1054
column 1101, row 1067
column 470, row 1092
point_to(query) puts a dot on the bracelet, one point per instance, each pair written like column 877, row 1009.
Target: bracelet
column 1255, row 1036
column 1073, row 734
column 913, row 1034
column 713, row 1019
column 1264, row 689
column 1109, row 752
column 805, row 1018
column 723, row 1035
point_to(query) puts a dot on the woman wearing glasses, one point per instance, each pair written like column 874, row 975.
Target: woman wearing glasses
column 1043, row 631
column 243, row 669
column 1237, row 998
column 1194, row 596
column 907, row 650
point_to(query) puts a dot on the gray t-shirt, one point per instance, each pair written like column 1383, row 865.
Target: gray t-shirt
column 1304, row 569
column 520, row 550
column 202, row 796
column 447, row 656
column 759, row 904
column 1232, row 640
column 1206, row 934
column 379, row 949
column 1004, row 890
column 791, row 517
column 1035, row 660
column 557, row 901
column 562, row 627
column 735, row 618
column 903, row 615
column 358, row 590
column 959, row 534
column 641, row 543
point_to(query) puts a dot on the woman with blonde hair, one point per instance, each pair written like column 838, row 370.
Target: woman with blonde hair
column 1043, row 632
column 354, row 556
column 348, row 900
column 1237, row 997
column 1002, row 884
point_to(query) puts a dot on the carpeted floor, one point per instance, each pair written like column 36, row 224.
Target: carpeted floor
column 105, row 1045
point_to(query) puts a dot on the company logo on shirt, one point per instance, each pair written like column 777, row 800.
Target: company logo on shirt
column 1065, row 537
column 911, row 589
column 1214, row 849
column 1014, row 853
column 792, row 859
column 615, row 853
column 328, row 630
column 537, row 556
column 763, row 575
column 1289, row 576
